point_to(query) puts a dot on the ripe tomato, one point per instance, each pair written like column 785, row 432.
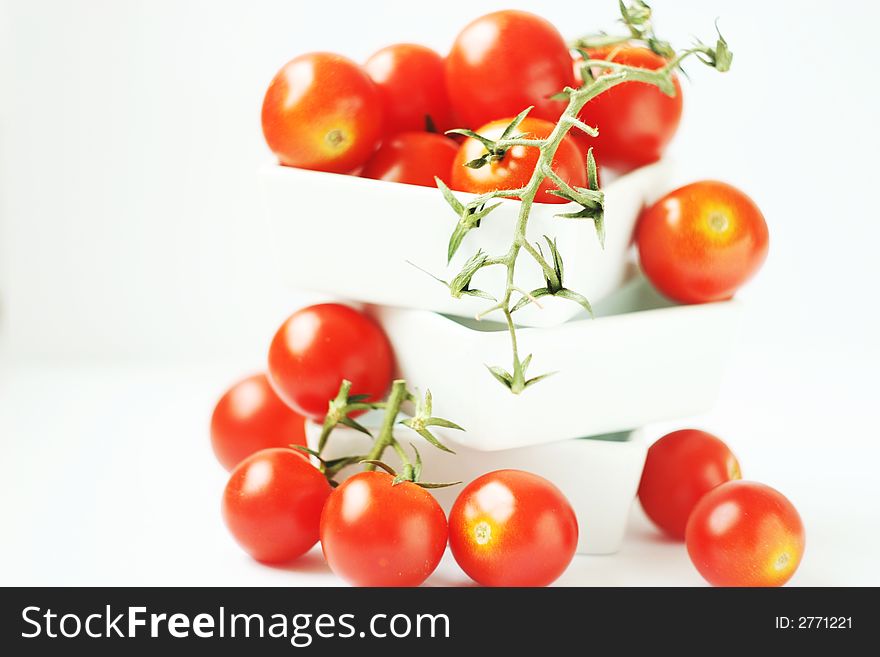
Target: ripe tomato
column 319, row 346
column 322, row 111
column 504, row 62
column 635, row 119
column 745, row 534
column 682, row 467
column 413, row 158
column 702, row 241
column 412, row 87
column 250, row 417
column 512, row 528
column 516, row 167
column 272, row 504
column 377, row 534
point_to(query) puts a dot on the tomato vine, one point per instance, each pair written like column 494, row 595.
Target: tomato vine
column 599, row 76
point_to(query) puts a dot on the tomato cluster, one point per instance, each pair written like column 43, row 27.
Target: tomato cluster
column 386, row 119
column 738, row 533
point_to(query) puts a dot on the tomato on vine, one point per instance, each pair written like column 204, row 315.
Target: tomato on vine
column 414, row 158
column 504, row 62
column 318, row 347
column 512, row 528
column 702, row 241
column 250, row 417
column 378, row 533
column 322, row 111
column 412, row 87
column 515, row 167
column 680, row 468
column 635, row 119
column 745, row 534
column 272, row 504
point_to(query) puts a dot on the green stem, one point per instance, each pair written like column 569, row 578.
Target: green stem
column 386, row 433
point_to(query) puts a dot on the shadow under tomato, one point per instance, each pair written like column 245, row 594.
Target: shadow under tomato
column 311, row 562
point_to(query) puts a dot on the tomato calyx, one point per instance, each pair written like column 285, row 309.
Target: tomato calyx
column 420, row 422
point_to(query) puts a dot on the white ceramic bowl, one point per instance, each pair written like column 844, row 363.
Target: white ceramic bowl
column 599, row 477
column 640, row 361
column 351, row 238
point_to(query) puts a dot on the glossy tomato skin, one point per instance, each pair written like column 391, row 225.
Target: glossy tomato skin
column 512, row 528
column 636, row 120
column 504, row 62
column 272, row 504
column 323, row 112
column 250, row 417
column 702, row 241
column 745, row 534
column 516, row 167
column 411, row 83
column 376, row 534
column 682, row 467
column 413, row 158
column 319, row 346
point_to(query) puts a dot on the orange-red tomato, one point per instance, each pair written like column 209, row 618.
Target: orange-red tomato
column 516, row 167
column 322, row 111
column 320, row 346
column 250, row 417
column 512, row 528
column 635, row 119
column 413, row 158
column 272, row 504
column 374, row 533
column 412, row 87
column 702, row 241
column 682, row 467
column 745, row 534
column 504, row 62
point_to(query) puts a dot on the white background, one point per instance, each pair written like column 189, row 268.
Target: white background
column 134, row 282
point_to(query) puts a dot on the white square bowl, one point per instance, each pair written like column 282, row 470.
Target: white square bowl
column 599, row 477
column 351, row 237
column 639, row 361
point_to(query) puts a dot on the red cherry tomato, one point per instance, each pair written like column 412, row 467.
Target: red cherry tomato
column 702, row 241
column 516, row 167
column 322, row 111
column 635, row 119
column 411, row 84
column 682, row 467
column 319, row 346
column 504, row 62
column 413, row 158
column 745, row 534
column 512, row 528
column 250, row 417
column 376, row 534
column 272, row 504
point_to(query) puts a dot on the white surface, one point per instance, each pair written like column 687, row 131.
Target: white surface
column 416, row 223
column 135, row 284
column 599, row 477
column 613, row 373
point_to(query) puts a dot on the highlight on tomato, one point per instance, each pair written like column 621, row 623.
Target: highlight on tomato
column 318, row 347
column 514, row 169
column 502, row 63
column 412, row 86
column 512, row 528
column 635, row 119
column 322, row 111
column 378, row 533
column 272, row 504
column 744, row 533
column 702, row 242
column 250, row 417
column 414, row 158
column 680, row 468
